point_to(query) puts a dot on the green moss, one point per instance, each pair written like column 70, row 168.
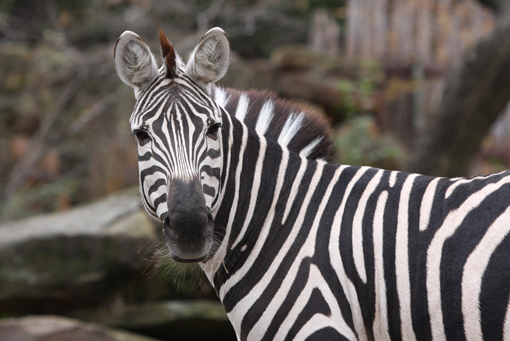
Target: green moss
column 359, row 143
column 62, row 261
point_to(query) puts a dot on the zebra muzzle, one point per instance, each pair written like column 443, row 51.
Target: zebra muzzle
column 188, row 226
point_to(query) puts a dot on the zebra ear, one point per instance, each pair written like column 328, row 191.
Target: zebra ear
column 134, row 61
column 211, row 58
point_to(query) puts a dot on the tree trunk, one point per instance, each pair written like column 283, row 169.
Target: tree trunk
column 476, row 91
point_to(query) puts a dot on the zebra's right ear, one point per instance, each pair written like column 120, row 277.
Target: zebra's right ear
column 210, row 59
column 134, row 61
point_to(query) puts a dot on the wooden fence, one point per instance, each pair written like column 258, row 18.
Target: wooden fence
column 410, row 31
column 415, row 41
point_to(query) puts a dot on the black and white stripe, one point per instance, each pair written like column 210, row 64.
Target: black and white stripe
column 306, row 249
column 416, row 264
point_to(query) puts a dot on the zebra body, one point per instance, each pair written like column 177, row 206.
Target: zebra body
column 367, row 253
column 299, row 248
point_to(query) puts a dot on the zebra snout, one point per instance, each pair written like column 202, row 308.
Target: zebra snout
column 188, row 235
column 188, row 226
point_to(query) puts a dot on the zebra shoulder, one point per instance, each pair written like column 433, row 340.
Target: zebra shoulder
column 301, row 128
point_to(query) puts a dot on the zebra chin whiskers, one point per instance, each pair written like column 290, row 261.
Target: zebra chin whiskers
column 151, row 251
column 184, row 276
column 154, row 256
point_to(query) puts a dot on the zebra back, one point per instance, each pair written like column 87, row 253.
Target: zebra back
column 301, row 128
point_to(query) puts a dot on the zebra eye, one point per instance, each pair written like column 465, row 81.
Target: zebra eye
column 142, row 136
column 212, row 131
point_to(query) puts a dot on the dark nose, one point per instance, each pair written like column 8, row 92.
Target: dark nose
column 188, row 225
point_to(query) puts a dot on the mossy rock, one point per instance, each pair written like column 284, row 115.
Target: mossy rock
column 82, row 256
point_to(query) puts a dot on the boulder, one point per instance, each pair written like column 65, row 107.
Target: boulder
column 56, row 328
column 196, row 320
column 81, row 257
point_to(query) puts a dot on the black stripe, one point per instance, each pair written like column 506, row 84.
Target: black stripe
column 212, row 172
column 156, row 185
column 145, row 157
column 149, row 171
column 209, row 190
column 161, row 199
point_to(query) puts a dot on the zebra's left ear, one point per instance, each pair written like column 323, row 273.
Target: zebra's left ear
column 211, row 58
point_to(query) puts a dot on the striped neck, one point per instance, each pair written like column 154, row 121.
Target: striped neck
column 251, row 197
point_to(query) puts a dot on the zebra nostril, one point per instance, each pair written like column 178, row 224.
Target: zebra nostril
column 168, row 230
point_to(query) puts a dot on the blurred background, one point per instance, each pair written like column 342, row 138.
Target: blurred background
column 412, row 85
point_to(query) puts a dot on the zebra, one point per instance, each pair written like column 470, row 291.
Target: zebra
column 297, row 247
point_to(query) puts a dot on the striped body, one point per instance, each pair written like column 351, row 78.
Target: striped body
column 299, row 248
column 328, row 250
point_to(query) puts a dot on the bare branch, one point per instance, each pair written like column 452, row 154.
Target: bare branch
column 46, row 135
column 209, row 14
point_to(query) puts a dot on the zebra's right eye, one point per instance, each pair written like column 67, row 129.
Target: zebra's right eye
column 142, row 136
column 212, row 131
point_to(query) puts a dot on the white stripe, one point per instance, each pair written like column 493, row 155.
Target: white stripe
column 184, row 159
column 402, row 260
column 254, row 191
column 393, row 178
column 472, row 275
column 426, row 204
column 294, row 189
column 220, row 97
column 380, row 325
column 265, row 117
column 337, row 262
column 435, row 253
column 242, row 107
column 309, row 148
column 506, row 326
column 290, row 129
column 357, row 226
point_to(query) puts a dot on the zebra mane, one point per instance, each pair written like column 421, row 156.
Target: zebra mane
column 300, row 128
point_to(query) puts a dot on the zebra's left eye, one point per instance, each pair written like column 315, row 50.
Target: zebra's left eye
column 212, row 131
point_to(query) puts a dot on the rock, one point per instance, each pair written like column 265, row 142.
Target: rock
column 176, row 320
column 79, row 257
column 55, row 328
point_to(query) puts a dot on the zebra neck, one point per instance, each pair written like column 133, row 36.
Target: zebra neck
column 254, row 205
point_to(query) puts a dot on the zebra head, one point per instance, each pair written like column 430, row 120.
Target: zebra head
column 177, row 125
